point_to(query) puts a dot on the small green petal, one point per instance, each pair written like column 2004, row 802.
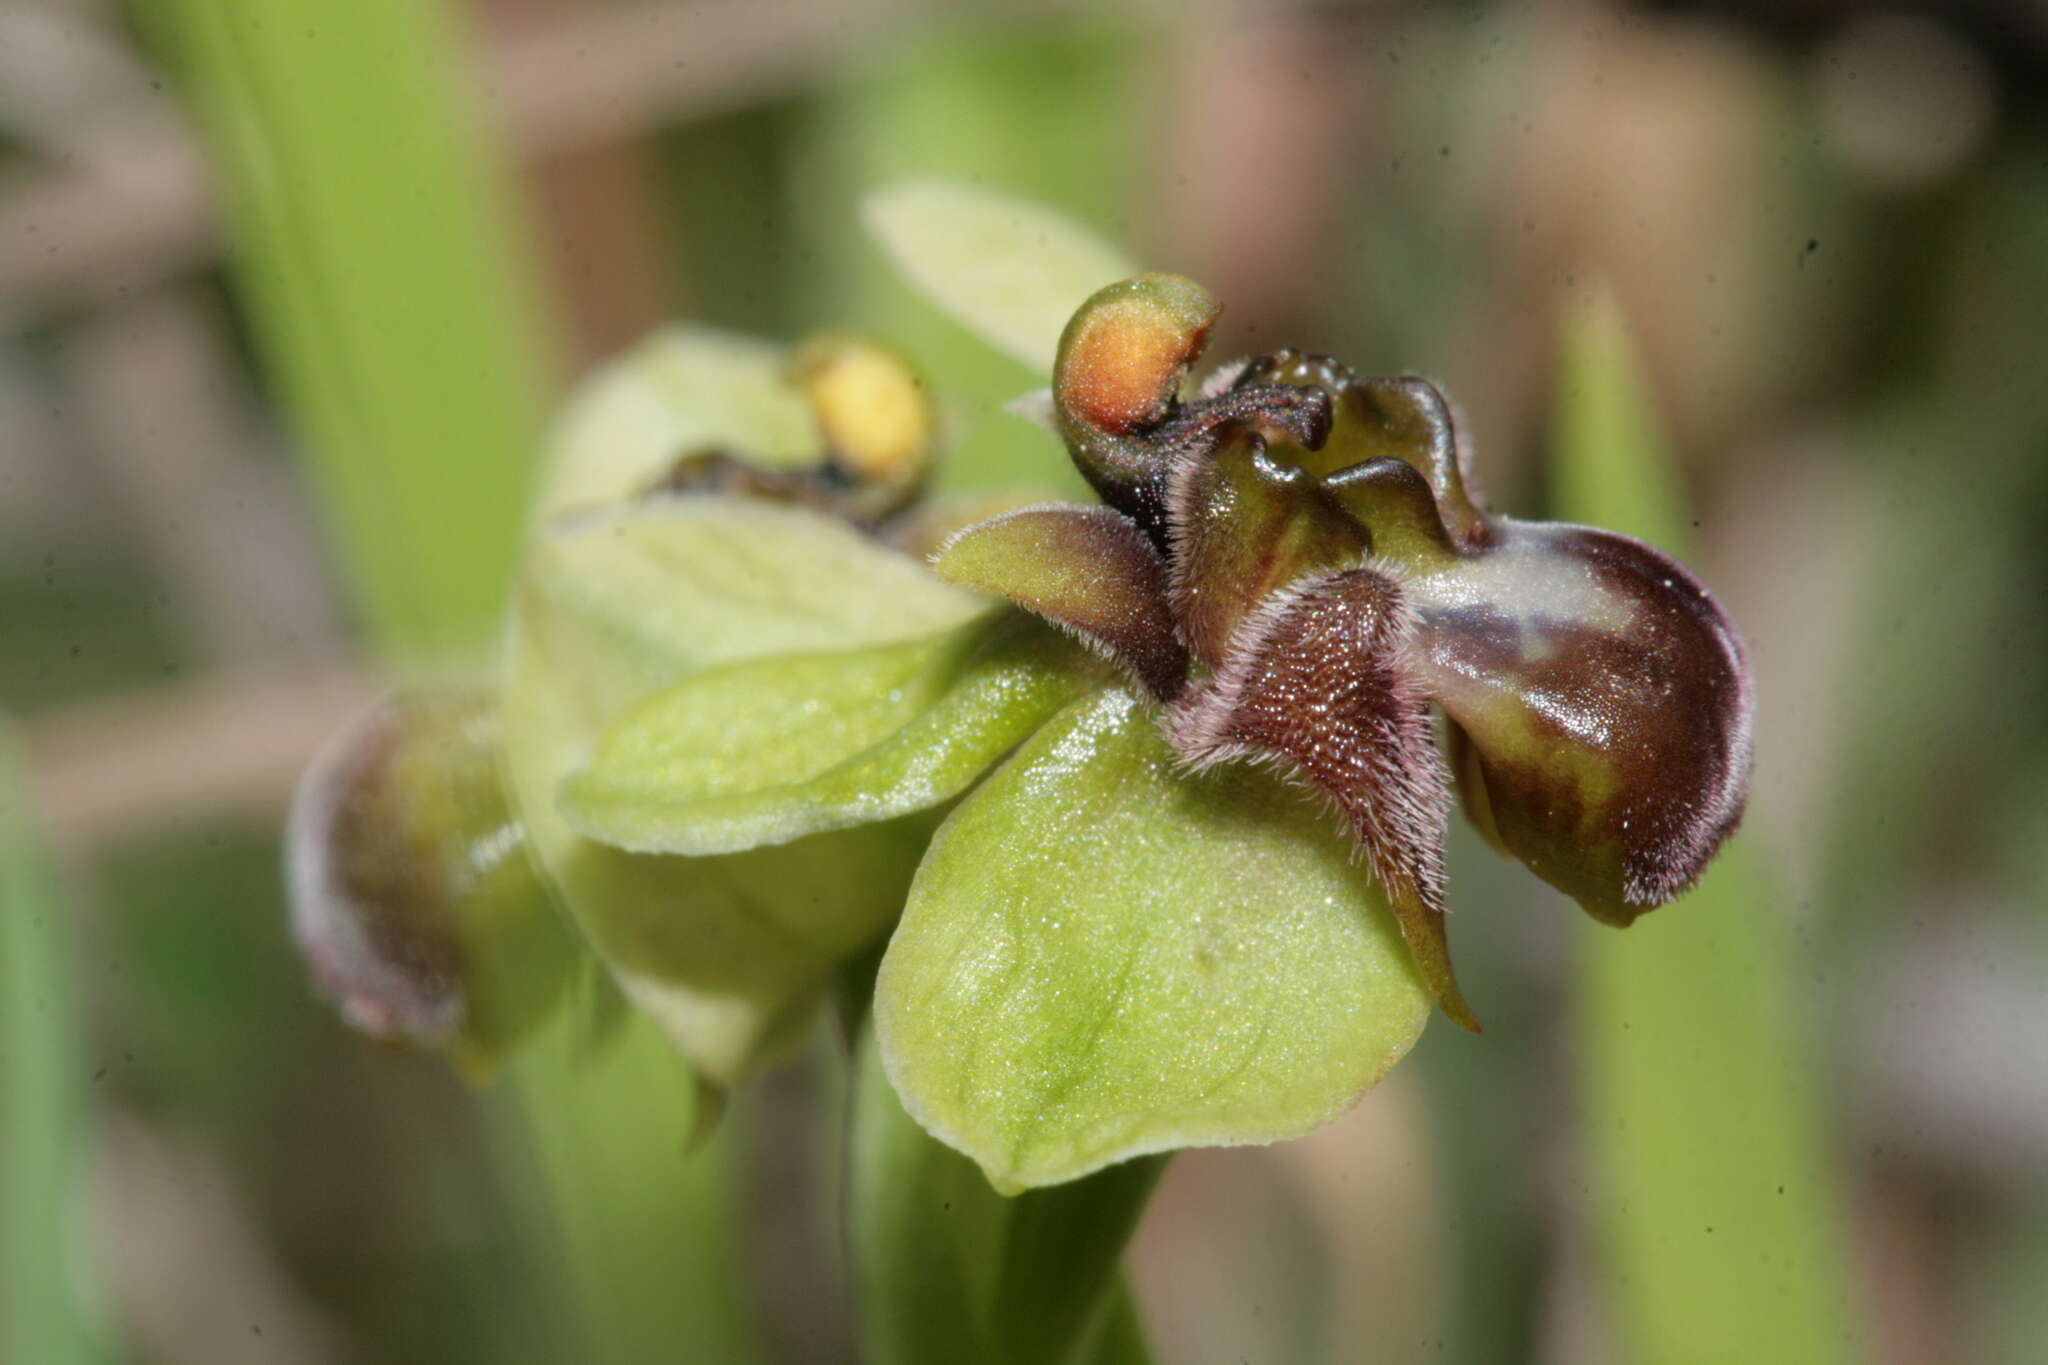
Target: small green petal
column 770, row 750
column 1103, row 956
column 1009, row 270
column 615, row 605
column 1089, row 570
column 684, row 389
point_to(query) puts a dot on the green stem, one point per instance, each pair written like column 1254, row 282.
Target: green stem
column 607, row 1111
column 949, row 1270
column 1718, row 1223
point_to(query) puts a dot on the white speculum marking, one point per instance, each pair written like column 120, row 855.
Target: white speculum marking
column 1528, row 583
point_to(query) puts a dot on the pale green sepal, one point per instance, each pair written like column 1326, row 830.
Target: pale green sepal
column 681, row 390
column 1009, row 270
column 679, row 582
column 725, row 953
column 770, row 750
column 1102, row 956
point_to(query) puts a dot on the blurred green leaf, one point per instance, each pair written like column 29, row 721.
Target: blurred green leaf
column 682, row 390
column 1120, row 1337
column 1010, row 270
column 771, row 750
column 1718, row 1217
column 377, row 247
column 1103, row 957
column 47, row 1314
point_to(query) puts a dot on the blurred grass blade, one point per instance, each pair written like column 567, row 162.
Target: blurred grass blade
column 45, row 1313
column 1010, row 270
column 376, row 250
column 1718, row 1220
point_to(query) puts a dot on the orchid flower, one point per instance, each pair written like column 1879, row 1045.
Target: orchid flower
column 1292, row 565
column 1142, row 802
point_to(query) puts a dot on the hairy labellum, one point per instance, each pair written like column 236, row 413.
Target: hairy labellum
column 1316, row 678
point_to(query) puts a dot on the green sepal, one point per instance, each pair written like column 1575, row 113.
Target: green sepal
column 1103, row 956
column 770, row 750
column 683, row 390
column 728, row 953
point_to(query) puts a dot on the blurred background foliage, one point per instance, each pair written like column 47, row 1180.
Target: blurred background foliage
column 287, row 290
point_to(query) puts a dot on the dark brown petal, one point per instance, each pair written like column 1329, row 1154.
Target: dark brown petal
column 1242, row 526
column 1316, row 679
column 1088, row 570
column 1606, row 704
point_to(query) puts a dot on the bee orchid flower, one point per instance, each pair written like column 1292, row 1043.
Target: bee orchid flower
column 769, row 706
column 1293, row 565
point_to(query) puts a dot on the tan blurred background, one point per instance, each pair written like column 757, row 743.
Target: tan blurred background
column 1827, row 222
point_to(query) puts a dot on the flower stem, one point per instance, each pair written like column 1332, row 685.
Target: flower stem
column 949, row 1270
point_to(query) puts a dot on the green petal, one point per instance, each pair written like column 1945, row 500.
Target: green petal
column 614, row 605
column 1102, row 957
column 684, row 389
column 770, row 750
column 669, row 585
column 1009, row 270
